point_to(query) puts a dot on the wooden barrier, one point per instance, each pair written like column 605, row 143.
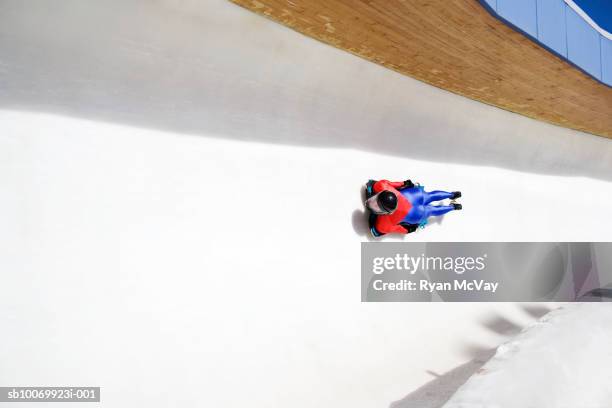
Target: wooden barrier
column 458, row 46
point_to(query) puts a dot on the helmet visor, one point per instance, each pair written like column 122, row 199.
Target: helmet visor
column 377, row 202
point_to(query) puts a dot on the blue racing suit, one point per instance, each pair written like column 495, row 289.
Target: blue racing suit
column 420, row 200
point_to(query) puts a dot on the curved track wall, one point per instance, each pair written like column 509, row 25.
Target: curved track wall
column 458, row 46
column 121, row 119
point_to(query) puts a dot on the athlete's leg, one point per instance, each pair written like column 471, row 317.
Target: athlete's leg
column 436, row 196
column 437, row 210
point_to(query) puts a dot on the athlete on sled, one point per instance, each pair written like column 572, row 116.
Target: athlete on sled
column 401, row 206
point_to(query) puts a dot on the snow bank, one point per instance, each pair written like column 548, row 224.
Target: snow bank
column 563, row 360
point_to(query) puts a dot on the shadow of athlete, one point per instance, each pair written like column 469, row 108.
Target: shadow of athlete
column 401, row 206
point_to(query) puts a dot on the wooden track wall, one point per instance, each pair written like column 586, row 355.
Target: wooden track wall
column 458, row 46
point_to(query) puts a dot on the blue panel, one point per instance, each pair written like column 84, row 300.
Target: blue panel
column 554, row 25
column 521, row 13
column 583, row 47
column 492, row 4
column 599, row 10
column 551, row 25
column 606, row 60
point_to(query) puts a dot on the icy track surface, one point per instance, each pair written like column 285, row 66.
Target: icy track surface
column 562, row 361
column 121, row 124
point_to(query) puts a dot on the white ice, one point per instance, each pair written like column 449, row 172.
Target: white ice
column 124, row 127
